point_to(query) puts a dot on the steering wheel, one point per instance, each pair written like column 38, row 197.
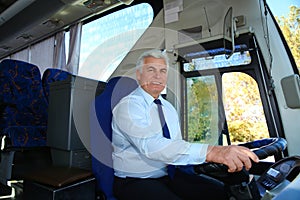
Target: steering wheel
column 263, row 149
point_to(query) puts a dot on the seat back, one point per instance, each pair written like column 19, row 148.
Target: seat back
column 101, row 131
column 23, row 110
column 51, row 75
column 23, row 104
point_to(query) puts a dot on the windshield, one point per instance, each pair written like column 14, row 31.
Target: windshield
column 287, row 15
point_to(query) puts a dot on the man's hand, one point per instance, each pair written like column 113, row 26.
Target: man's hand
column 235, row 157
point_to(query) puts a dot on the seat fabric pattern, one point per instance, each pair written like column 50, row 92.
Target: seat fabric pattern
column 23, row 104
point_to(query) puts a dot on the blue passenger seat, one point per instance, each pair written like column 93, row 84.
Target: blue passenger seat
column 23, row 121
column 101, row 131
column 23, row 104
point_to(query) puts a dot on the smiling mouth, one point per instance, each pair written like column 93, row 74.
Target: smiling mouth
column 156, row 83
column 153, row 83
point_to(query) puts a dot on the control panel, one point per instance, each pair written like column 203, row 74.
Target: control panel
column 285, row 169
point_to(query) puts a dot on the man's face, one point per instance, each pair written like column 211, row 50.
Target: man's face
column 153, row 77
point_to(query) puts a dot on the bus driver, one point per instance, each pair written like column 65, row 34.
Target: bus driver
column 142, row 150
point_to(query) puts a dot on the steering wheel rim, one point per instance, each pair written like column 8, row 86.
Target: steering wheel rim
column 266, row 147
column 263, row 149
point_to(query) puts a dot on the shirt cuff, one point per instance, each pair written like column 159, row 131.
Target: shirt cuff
column 198, row 152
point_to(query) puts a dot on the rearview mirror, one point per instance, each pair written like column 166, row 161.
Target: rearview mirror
column 228, row 34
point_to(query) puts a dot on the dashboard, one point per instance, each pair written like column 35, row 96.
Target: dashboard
column 281, row 180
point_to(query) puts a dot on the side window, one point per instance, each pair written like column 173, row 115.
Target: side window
column 243, row 108
column 107, row 40
column 202, row 109
column 287, row 14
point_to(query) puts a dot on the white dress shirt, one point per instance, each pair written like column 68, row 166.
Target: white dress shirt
column 140, row 149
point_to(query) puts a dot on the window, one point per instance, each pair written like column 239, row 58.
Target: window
column 222, row 99
column 287, row 14
column 202, row 110
column 243, row 108
column 107, row 40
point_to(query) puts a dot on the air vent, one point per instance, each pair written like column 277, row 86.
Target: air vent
column 5, row 48
column 25, row 37
column 53, row 23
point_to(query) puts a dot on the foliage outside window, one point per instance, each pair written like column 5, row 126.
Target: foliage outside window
column 202, row 108
column 243, row 108
column 290, row 27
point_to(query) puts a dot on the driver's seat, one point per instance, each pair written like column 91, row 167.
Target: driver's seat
column 101, row 132
column 101, row 135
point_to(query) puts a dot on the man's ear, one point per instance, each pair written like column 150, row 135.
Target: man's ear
column 138, row 75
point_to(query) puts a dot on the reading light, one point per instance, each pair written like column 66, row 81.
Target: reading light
column 93, row 4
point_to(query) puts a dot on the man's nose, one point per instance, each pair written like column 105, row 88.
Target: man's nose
column 157, row 74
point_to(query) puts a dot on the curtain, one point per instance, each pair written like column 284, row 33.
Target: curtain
column 74, row 48
column 21, row 55
column 59, row 57
column 50, row 53
column 41, row 54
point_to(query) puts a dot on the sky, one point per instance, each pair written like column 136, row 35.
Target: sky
column 281, row 7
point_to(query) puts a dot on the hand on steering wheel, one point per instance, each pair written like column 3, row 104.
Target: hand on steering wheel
column 263, row 149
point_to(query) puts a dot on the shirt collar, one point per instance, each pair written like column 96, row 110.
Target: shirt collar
column 148, row 98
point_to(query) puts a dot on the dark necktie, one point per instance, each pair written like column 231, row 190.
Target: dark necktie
column 166, row 133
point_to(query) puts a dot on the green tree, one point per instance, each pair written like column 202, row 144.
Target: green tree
column 242, row 103
column 243, row 108
column 201, row 95
column 291, row 31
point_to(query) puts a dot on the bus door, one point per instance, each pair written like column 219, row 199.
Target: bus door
column 228, row 99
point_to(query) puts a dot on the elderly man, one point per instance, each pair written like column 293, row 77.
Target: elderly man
column 147, row 143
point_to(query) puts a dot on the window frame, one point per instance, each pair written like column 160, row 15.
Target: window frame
column 257, row 70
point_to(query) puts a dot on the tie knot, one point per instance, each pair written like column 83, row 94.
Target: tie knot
column 157, row 101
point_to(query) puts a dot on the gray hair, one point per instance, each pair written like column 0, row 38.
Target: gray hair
column 156, row 53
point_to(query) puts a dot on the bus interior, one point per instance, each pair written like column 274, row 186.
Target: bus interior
column 233, row 79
